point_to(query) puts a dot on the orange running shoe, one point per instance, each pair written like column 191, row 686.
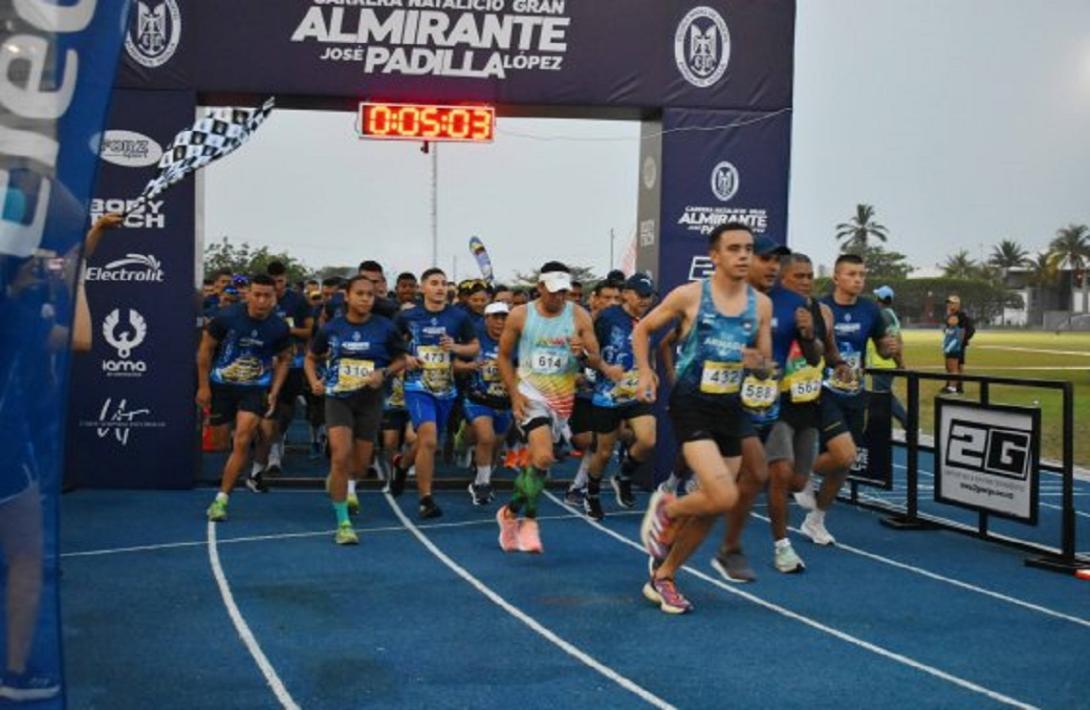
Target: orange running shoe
column 528, row 537
column 509, row 530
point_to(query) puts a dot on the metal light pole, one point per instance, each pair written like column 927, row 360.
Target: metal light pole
column 611, row 238
column 435, row 204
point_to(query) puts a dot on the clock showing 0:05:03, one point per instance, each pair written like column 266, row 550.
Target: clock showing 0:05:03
column 427, row 122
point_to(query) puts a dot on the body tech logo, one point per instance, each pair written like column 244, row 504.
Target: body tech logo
column 702, row 47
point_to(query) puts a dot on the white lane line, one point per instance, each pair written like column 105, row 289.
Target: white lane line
column 949, row 580
column 813, row 623
column 525, row 618
column 1012, row 348
column 287, row 536
column 247, row 636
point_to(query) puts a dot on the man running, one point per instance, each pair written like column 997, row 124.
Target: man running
column 550, row 338
column 615, row 396
column 487, row 405
column 436, row 331
column 844, row 401
column 362, row 351
column 725, row 329
column 243, row 362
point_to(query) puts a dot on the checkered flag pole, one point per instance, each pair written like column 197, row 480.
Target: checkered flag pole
column 218, row 133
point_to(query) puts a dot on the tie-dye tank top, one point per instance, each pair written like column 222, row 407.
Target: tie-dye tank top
column 547, row 368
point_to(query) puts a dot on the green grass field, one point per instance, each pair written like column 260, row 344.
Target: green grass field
column 1021, row 354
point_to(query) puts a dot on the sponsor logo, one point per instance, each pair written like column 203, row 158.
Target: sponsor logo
column 701, row 268
column 129, row 149
column 650, row 172
column 124, row 338
column 702, row 47
column 134, row 267
column 647, row 233
column 118, row 421
column 154, row 33
column 725, row 181
column 139, row 214
column 987, row 448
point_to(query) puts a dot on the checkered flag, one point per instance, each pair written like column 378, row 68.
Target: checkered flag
column 220, row 132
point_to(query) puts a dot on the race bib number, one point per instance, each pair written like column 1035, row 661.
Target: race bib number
column 352, row 374
column 396, row 399
column 549, row 362
column 436, row 363
column 721, row 377
column 805, row 385
column 759, row 393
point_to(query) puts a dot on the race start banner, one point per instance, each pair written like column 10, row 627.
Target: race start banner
column 134, row 403
column 57, row 65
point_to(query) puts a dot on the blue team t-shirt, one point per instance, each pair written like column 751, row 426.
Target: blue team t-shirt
column 485, row 385
column 613, row 328
column 355, row 351
column 853, row 326
column 247, row 346
column 423, row 330
column 295, row 310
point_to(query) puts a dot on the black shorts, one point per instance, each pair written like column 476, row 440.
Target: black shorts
column 361, row 412
column 697, row 419
column 843, row 414
column 395, row 420
column 607, row 419
column 294, row 385
column 582, row 417
column 229, row 400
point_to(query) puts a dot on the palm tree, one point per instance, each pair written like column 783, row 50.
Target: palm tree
column 1071, row 249
column 960, row 266
column 860, row 229
column 1042, row 277
column 1007, row 255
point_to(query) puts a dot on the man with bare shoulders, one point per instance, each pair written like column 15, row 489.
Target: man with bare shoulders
column 725, row 330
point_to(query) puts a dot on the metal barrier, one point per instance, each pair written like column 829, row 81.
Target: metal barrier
column 1063, row 558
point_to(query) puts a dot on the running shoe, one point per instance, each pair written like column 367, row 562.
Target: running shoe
column 664, row 593
column 217, row 512
column 733, row 567
column 529, row 537
column 256, row 483
column 575, row 496
column 814, row 528
column 353, row 504
column 805, row 498
column 509, row 529
column 428, row 508
column 346, row 535
column 786, row 560
column 480, row 494
column 28, row 686
column 655, row 528
column 592, row 506
column 622, row 487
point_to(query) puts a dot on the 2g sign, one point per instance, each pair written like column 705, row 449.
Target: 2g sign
column 995, row 450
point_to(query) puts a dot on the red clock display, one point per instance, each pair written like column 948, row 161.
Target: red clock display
column 427, row 123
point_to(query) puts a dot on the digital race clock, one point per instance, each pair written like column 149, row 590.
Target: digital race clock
column 427, row 123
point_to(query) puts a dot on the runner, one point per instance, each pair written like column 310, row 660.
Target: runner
column 844, row 401
column 362, row 351
column 615, row 396
column 725, row 329
column 553, row 338
column 435, row 331
column 487, row 405
column 405, row 287
column 243, row 362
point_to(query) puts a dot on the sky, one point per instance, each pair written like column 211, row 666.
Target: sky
column 963, row 122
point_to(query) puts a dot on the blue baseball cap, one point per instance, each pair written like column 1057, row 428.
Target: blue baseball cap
column 763, row 245
column 884, row 293
column 641, row 284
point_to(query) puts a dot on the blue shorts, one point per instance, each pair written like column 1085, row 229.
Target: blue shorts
column 424, row 408
column 501, row 418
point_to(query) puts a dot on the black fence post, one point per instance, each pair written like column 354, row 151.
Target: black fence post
column 912, row 441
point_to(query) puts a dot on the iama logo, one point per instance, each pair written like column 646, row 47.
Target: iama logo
column 702, row 47
column 124, row 342
column 154, row 33
column 725, row 181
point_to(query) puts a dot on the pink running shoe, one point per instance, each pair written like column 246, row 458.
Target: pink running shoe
column 655, row 529
column 664, row 593
column 509, row 530
column 529, row 539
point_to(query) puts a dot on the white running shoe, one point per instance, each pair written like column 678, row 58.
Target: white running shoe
column 787, row 561
column 805, row 498
column 814, row 528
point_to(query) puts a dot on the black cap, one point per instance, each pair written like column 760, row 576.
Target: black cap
column 764, row 246
column 641, row 284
